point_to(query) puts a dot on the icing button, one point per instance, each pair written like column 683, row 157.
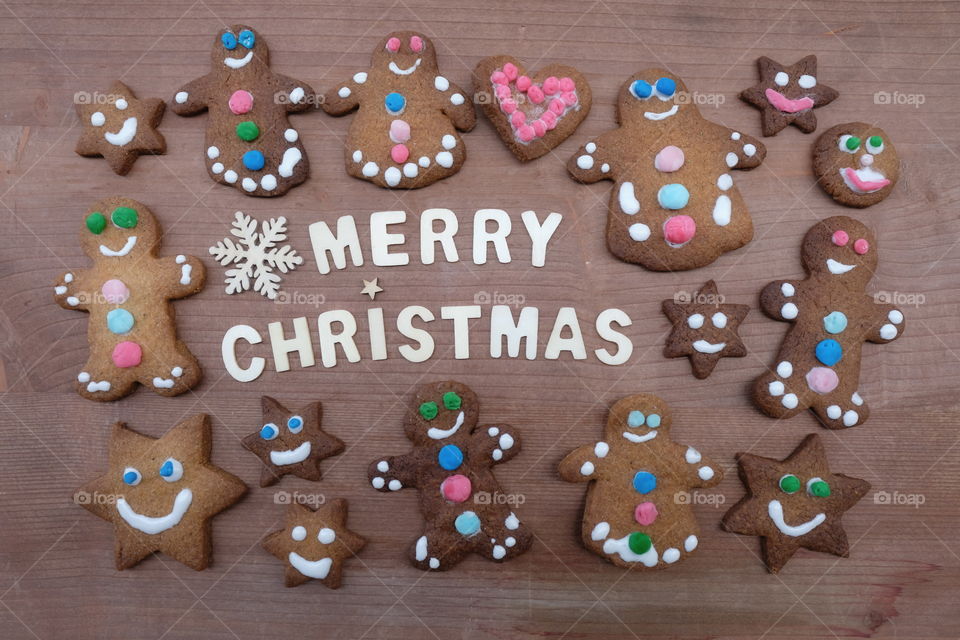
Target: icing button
column 450, row 457
column 248, row 131
column 394, row 102
column 467, row 523
column 120, row 321
column 399, row 153
column 399, row 131
column 822, row 379
column 240, row 102
column 115, row 291
column 639, row 543
column 253, row 160
column 645, row 513
column 644, row 482
column 456, row 488
column 669, row 159
column 679, row 230
column 835, row 322
column 829, row 352
column 127, row 354
column 673, row 196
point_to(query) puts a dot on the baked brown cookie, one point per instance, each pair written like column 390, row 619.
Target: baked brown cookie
column 132, row 328
column 639, row 513
column 674, row 206
column 451, row 466
column 404, row 135
column 250, row 144
column 794, row 503
column 120, row 128
column 291, row 442
column 704, row 329
column 788, row 95
column 818, row 366
column 160, row 493
column 856, row 163
column 533, row 113
column 314, row 544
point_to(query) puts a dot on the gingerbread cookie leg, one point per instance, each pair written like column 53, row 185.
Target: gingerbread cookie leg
column 503, row 536
column 594, row 162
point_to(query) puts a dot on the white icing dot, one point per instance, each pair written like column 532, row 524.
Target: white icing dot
column 787, row 289
column 377, row 483
column 445, row 159
column 785, row 369
column 83, row 376
column 181, row 97
column 705, row 473
column 856, row 399
column 834, row 411
column 807, row 81
column 888, row 332
column 97, row 119
column 383, row 466
column 506, row 441
column 605, row 168
column 724, row 182
column 690, row 543
column 298, row 533
column 732, row 159
column 510, row 541
column 360, row 78
column 692, row 456
column 601, row 449
column 511, row 522
column 176, row 372
column 448, row 141
column 441, row 83
column 896, row 317
column 671, row 555
column 499, row 552
column 213, row 152
column 789, row 311
column 121, row 104
column 585, row 162
column 590, row 147
column 268, row 182
column 456, row 99
column 719, row 320
column 291, row 135
column 410, row 170
column 776, row 388
column 424, row 161
column 60, row 290
column 249, row 184
column 586, row 469
column 434, row 563
column 735, row 135
column 850, row 418
column 357, row 155
column 392, row 176
column 749, row 150
column 781, row 78
column 497, row 454
column 344, row 92
column 790, row 401
column 370, row 169
column 639, row 231
column 695, row 321
column 68, row 278
column 296, row 95
column 217, row 167
column 493, row 431
column 394, row 485
column 326, row 535
column 73, row 301
column 230, row 176
column 600, row 531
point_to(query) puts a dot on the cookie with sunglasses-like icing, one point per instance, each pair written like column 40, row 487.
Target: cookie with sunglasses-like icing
column 788, row 95
column 856, row 164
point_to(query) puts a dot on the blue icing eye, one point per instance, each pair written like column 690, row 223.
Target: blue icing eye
column 644, row 482
column 247, row 38
column 253, row 160
column 635, row 419
column 229, row 41
column 131, row 476
column 653, row 420
column 171, row 470
column 450, row 457
column 641, row 89
column 829, row 352
column 119, row 321
column 394, row 102
column 269, row 431
column 835, row 322
column 666, row 87
column 467, row 523
column 295, row 424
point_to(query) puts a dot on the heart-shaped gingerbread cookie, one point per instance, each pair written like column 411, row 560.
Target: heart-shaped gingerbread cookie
column 533, row 113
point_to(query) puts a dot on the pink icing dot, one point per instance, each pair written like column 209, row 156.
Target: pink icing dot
column 669, row 159
column 539, row 128
column 510, row 70
column 535, row 94
column 240, row 102
column 498, row 77
column 518, row 119
column 567, row 84
column 569, row 98
column 416, row 43
column 523, row 83
column 127, row 354
column 549, row 118
column 551, row 85
column 393, row 44
column 557, row 106
column 822, row 379
column 645, row 513
column 115, row 292
column 399, row 131
column 861, row 246
column 840, row 238
column 508, row 106
column 526, row 132
column 679, row 229
column 503, row 92
column 399, row 153
column 456, row 488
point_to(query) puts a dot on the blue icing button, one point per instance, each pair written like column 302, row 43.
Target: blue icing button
column 835, row 322
column 644, row 482
column 119, row 321
column 829, row 352
column 450, row 457
column 253, row 160
column 653, row 420
column 467, row 523
column 673, row 196
column 394, row 102
column 635, row 419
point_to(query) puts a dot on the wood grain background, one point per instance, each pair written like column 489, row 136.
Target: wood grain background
column 56, row 574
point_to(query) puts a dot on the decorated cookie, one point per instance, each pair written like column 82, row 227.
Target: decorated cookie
column 794, row 503
column 249, row 143
column 704, row 329
column 532, row 113
column 856, row 164
column 788, row 95
column 120, row 128
column 132, row 331
column 314, row 544
column 405, row 132
column 451, row 466
column 291, row 442
column 160, row 493
column 638, row 511
column 256, row 255
column 818, row 366
column 674, row 206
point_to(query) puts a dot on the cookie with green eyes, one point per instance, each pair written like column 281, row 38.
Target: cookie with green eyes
column 160, row 493
column 856, row 164
column 291, row 442
column 794, row 503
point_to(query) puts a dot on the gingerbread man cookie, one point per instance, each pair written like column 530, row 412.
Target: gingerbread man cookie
column 405, row 132
column 856, row 163
column 638, row 511
column 451, row 466
column 788, row 95
column 132, row 329
column 674, row 205
column 818, row 366
column 249, row 142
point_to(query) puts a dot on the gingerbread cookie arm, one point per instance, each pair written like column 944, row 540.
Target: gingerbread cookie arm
column 184, row 274
column 344, row 97
column 888, row 324
column 580, row 464
column 779, row 300
column 455, row 105
column 298, row 96
column 494, row 443
column 593, row 161
column 73, row 290
column 740, row 150
column 701, row 471
column 394, row 473
column 193, row 97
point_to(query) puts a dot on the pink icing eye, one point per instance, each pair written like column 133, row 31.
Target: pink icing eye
column 840, row 238
column 393, row 44
column 416, row 43
column 861, row 246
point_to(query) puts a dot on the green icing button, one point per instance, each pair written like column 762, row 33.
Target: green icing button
column 639, row 543
column 248, row 131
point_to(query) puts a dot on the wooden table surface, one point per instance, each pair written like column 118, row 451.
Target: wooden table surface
column 57, row 578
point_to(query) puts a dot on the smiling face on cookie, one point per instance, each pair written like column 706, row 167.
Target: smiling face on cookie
column 856, row 164
column 239, row 47
column 405, row 53
column 841, row 248
column 441, row 412
column 653, row 96
column 638, row 419
column 117, row 228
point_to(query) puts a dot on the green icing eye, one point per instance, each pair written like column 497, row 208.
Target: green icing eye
column 789, row 483
column 818, row 488
column 876, row 141
column 874, row 144
column 429, row 410
column 96, row 222
column 852, row 143
column 451, row 400
column 124, row 217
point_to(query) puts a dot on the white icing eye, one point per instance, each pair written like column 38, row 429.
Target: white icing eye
column 695, row 321
column 120, row 104
column 781, row 78
column 131, row 476
column 719, row 320
column 849, row 143
column 171, row 470
column 874, row 144
column 295, row 424
column 298, row 533
column 807, row 81
column 326, row 535
column 98, row 119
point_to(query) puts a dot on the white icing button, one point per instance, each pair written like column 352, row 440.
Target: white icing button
column 724, row 182
column 732, row 159
column 690, row 543
column 671, row 555
column 695, row 321
column 850, row 418
column 213, row 152
column 377, row 483
column 789, row 311
column 383, row 466
column 787, row 289
column 591, row 147
column 394, row 485
column 749, row 150
column 291, row 135
column 585, row 162
column 392, row 176
column 605, row 168
column 856, row 399
column 888, row 332
column 217, row 167
column 181, row 97
column 370, row 169
column 807, row 81
column 776, row 388
column 357, row 155
column 444, row 159
column 719, row 320
column 586, row 469
column 249, row 184
column 456, row 99
column 360, row 78
column 410, row 170
column 97, row 119
column 790, row 401
column 268, row 182
column 230, row 176
column 705, row 473
column 833, row 412
column 424, row 161
column 120, row 104
column 448, row 142
column 639, row 231
column 781, row 78
column 896, row 317
column 344, row 92
column 785, row 369
column 735, row 135
column 441, row 83
column 601, row 449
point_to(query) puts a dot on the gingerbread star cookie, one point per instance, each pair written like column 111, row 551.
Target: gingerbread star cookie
column 314, row 544
column 120, row 128
column 704, row 329
column 794, row 503
column 160, row 493
column 291, row 442
column 788, row 95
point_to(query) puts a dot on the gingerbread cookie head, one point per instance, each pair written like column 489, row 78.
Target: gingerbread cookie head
column 404, row 54
column 239, row 53
column 445, row 411
column 788, row 95
column 627, row 423
column 654, row 96
column 856, row 164
column 842, row 250
column 119, row 229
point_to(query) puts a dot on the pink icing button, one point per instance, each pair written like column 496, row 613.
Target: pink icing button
column 508, row 106
column 498, row 77
column 399, row 131
column 526, row 132
column 569, row 98
column 535, row 94
column 503, row 92
column 669, row 159
column 416, row 43
column 510, row 70
column 399, row 153
column 567, row 84
column 679, row 229
column 840, row 238
column 518, row 119
column 240, row 102
column 645, row 513
column 549, row 118
column 557, row 106
column 551, row 85
column 393, row 44
column 456, row 488
column 523, row 83
column 127, row 354
column 822, row 379
column 861, row 246
column 115, row 292
column 539, row 128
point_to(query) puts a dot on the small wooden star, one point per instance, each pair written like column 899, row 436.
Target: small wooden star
column 788, row 95
column 371, row 288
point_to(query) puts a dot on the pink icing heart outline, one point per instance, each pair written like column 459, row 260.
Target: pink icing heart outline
column 559, row 95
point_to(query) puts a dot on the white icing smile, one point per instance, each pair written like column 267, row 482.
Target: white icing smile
column 236, row 63
column 632, row 437
column 125, row 135
column 312, row 569
column 439, row 434
column 654, row 115
column 838, row 268
column 291, row 456
column 110, row 253
column 775, row 510
column 151, row 525
column 708, row 347
column 404, row 72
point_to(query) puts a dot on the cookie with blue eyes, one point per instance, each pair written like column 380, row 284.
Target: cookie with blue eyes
column 161, row 493
column 291, row 442
column 794, row 503
column 856, row 164
column 788, row 95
